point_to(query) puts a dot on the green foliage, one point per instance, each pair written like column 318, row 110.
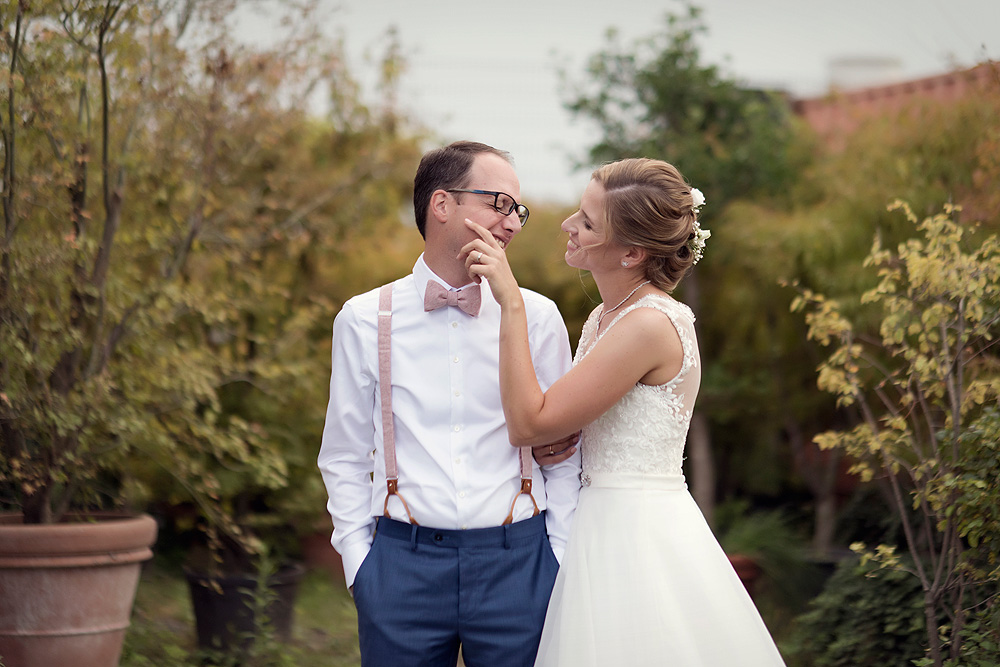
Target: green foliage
column 922, row 391
column 658, row 99
column 760, row 388
column 324, row 633
column 976, row 486
column 980, row 640
column 804, row 213
column 784, row 208
column 174, row 221
column 863, row 616
column 925, row 153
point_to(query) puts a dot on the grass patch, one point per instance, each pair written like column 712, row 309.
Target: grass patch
column 163, row 630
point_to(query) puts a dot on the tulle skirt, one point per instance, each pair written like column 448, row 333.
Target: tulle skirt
column 645, row 582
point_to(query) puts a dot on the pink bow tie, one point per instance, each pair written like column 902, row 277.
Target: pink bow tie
column 467, row 299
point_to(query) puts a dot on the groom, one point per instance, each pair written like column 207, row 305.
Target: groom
column 449, row 535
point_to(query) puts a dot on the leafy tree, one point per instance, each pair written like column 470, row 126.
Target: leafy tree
column 818, row 237
column 922, row 392
column 657, row 99
column 173, row 220
column 807, row 217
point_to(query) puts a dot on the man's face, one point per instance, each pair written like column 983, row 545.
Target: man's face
column 492, row 173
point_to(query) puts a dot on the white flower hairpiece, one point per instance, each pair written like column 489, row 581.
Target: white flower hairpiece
column 696, row 242
column 699, row 199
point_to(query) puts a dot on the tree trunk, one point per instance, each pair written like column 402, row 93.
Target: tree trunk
column 819, row 469
column 825, row 518
column 699, row 448
column 934, row 639
column 702, row 466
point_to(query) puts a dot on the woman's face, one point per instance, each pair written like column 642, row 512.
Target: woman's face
column 588, row 247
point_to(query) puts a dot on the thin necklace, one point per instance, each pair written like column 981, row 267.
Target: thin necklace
column 605, row 311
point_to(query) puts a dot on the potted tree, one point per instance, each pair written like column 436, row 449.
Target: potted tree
column 102, row 369
column 170, row 212
column 80, row 286
column 110, row 186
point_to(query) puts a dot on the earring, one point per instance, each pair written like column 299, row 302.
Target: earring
column 624, row 263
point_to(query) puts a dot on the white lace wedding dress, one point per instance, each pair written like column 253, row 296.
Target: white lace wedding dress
column 643, row 580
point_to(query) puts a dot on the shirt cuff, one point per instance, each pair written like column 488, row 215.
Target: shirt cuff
column 352, row 558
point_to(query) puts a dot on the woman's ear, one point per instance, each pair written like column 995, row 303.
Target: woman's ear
column 439, row 205
column 634, row 256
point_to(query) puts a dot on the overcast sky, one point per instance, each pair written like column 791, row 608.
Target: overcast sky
column 487, row 71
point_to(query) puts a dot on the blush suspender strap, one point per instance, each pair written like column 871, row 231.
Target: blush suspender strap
column 525, row 486
column 385, row 392
column 388, row 430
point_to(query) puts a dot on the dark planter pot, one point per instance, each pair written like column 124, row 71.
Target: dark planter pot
column 66, row 589
column 224, row 608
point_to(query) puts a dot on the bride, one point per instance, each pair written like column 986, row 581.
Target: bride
column 643, row 580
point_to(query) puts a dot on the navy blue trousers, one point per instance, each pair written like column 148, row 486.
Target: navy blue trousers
column 422, row 592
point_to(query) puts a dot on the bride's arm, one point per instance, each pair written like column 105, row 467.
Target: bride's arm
column 627, row 353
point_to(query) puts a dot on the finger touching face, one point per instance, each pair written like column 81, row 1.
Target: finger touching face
column 491, row 173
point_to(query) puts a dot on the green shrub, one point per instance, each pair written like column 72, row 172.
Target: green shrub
column 863, row 616
column 980, row 640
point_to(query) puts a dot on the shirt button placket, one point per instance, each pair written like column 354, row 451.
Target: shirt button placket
column 459, row 438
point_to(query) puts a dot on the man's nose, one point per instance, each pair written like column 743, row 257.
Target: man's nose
column 512, row 223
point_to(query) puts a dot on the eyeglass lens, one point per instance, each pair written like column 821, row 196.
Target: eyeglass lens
column 505, row 204
column 502, row 203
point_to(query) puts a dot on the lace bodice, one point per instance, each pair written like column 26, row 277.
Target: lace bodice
column 645, row 431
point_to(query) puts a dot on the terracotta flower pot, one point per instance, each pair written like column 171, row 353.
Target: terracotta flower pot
column 68, row 588
column 747, row 570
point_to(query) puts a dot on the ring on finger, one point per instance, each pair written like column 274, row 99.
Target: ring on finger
column 479, row 258
column 551, row 451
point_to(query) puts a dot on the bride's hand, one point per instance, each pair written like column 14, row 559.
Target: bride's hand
column 555, row 452
column 484, row 258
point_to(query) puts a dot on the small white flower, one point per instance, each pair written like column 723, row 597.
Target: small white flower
column 699, row 199
column 697, row 241
column 698, row 237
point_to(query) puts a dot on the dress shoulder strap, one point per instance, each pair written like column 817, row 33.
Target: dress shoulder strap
column 682, row 318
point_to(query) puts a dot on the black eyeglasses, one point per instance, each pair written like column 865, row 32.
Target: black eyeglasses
column 502, row 203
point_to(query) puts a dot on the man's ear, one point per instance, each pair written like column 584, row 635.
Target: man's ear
column 440, row 202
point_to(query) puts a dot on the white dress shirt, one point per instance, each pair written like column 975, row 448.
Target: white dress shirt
column 457, row 469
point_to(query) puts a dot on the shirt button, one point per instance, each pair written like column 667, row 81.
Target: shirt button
column 458, row 428
column 465, row 527
column 458, row 460
column 454, row 325
column 455, row 360
column 461, row 494
column 458, row 393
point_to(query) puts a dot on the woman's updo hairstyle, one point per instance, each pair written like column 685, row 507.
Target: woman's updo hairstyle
column 649, row 205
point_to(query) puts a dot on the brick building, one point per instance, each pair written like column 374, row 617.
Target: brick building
column 839, row 112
